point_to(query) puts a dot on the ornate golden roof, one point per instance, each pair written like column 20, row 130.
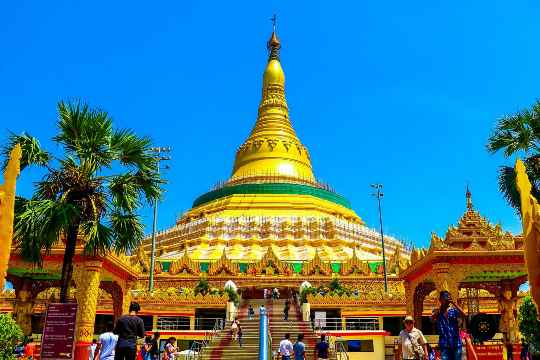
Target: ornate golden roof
column 273, row 149
column 474, row 232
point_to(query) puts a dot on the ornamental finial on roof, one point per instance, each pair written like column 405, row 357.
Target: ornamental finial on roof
column 469, row 198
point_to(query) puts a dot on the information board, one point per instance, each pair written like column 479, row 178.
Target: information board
column 59, row 332
column 489, row 352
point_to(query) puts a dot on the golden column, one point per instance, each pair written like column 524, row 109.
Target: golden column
column 7, row 205
column 530, row 218
column 87, row 279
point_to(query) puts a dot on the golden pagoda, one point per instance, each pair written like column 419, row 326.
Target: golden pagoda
column 272, row 199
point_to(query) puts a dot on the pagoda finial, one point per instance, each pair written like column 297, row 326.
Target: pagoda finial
column 273, row 151
column 273, row 43
column 469, row 198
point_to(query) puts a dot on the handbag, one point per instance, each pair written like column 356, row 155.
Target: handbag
column 416, row 352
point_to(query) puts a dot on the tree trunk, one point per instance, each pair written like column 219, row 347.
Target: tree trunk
column 67, row 266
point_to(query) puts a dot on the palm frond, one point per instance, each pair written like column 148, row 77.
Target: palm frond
column 85, row 133
column 124, row 192
column 38, row 224
column 32, row 153
column 99, row 238
column 133, row 150
column 127, row 230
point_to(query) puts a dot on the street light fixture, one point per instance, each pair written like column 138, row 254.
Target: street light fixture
column 379, row 194
column 159, row 158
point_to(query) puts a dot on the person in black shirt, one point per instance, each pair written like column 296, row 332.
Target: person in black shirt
column 128, row 328
column 321, row 349
column 154, row 351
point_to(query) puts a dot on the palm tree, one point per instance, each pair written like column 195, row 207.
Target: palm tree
column 90, row 195
column 518, row 134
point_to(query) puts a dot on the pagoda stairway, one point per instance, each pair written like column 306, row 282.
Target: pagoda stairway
column 224, row 347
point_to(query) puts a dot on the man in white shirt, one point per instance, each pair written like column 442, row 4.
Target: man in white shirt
column 413, row 342
column 286, row 348
column 107, row 343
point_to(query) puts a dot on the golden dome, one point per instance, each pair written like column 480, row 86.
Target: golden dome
column 272, row 149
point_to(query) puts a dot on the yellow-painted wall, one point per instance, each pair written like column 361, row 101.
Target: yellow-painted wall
column 378, row 348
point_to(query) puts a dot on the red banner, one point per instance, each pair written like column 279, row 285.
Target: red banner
column 59, row 332
column 489, row 352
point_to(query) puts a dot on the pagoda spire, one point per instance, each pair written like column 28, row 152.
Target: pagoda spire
column 468, row 196
column 272, row 150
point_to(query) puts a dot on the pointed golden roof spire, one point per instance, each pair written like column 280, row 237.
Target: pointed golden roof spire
column 272, row 150
column 468, row 195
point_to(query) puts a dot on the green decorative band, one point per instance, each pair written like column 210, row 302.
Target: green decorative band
column 274, row 188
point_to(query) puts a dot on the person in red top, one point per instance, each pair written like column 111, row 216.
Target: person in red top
column 30, row 349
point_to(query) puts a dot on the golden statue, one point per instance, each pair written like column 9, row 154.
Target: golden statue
column 508, row 324
column 530, row 218
column 7, row 212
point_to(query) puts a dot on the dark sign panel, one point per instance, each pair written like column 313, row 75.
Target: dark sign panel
column 59, row 332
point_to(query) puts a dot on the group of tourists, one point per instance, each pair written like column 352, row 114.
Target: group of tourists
column 119, row 342
column 287, row 350
column 271, row 294
column 454, row 341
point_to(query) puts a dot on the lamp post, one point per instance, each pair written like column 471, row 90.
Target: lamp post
column 158, row 151
column 379, row 194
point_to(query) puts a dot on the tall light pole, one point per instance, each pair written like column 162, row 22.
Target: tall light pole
column 159, row 157
column 379, row 194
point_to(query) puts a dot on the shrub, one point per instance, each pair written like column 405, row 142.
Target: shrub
column 529, row 326
column 10, row 335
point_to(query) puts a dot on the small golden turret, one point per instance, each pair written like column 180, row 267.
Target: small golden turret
column 273, row 151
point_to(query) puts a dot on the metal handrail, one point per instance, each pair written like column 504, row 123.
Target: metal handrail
column 341, row 351
column 356, row 323
column 208, row 338
column 265, row 347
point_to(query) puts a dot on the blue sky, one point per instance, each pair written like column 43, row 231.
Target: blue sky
column 400, row 93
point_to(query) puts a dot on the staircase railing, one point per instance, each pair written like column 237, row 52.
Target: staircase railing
column 265, row 340
column 341, row 351
column 208, row 337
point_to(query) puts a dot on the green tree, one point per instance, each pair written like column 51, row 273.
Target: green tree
column 202, row 287
column 10, row 335
column 89, row 195
column 529, row 326
column 518, row 134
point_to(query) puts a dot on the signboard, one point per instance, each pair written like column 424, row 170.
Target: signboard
column 485, row 352
column 489, row 352
column 320, row 319
column 59, row 332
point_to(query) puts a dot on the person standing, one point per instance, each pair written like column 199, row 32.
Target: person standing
column 234, row 328
column 286, row 347
column 286, row 310
column 468, row 351
column 299, row 348
column 106, row 344
column 413, row 343
column 30, row 349
column 92, row 349
column 170, row 349
column 251, row 312
column 128, row 328
column 154, row 351
column 446, row 323
column 321, row 349
column 240, row 336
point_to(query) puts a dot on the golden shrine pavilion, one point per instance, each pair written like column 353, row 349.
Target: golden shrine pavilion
column 273, row 225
